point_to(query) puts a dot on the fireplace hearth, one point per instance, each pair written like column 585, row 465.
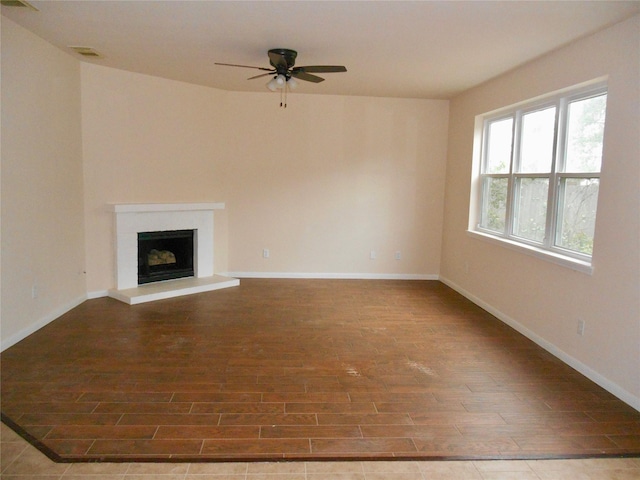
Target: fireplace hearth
column 165, row 255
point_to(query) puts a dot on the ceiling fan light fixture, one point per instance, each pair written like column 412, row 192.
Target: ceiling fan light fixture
column 292, row 83
column 272, row 84
column 276, row 83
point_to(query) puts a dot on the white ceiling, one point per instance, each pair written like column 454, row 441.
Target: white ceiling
column 412, row 49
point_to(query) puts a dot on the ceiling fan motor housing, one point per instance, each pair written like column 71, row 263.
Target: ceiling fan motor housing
column 282, row 59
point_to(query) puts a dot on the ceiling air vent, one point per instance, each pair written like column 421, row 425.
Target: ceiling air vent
column 85, row 51
column 17, row 3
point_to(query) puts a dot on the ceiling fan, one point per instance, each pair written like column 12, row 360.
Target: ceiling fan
column 284, row 73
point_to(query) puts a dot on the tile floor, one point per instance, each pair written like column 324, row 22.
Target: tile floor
column 21, row 461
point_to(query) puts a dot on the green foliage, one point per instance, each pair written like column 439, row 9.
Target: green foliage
column 578, row 242
column 495, row 214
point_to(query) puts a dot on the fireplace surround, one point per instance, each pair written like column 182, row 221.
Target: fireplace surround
column 134, row 219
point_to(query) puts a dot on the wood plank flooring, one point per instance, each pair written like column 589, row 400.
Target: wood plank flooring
column 303, row 370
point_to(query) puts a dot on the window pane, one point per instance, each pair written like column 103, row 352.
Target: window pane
column 531, row 208
column 494, row 204
column 536, row 146
column 585, row 130
column 498, row 156
column 577, row 202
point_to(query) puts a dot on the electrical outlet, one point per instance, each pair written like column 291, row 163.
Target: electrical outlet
column 34, row 291
column 265, row 253
column 580, row 330
column 398, row 255
column 372, row 255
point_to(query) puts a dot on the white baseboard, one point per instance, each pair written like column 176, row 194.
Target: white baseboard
column 37, row 325
column 574, row 363
column 346, row 276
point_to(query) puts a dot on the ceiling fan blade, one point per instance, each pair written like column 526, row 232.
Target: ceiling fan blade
column 300, row 75
column 262, row 75
column 243, row 66
column 321, row 69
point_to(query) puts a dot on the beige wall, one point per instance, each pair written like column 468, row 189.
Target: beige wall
column 542, row 299
column 42, row 193
column 319, row 184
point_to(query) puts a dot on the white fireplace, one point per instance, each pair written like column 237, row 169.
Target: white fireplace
column 131, row 219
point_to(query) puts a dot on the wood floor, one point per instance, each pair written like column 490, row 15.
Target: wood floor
column 303, row 370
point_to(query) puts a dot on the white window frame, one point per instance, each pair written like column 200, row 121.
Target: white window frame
column 547, row 249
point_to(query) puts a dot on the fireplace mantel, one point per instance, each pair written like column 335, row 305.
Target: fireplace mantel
column 163, row 207
column 134, row 218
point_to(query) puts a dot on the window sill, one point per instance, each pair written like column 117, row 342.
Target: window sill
column 558, row 259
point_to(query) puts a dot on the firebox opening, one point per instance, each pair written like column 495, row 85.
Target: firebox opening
column 165, row 255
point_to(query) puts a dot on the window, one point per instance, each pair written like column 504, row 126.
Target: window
column 540, row 173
